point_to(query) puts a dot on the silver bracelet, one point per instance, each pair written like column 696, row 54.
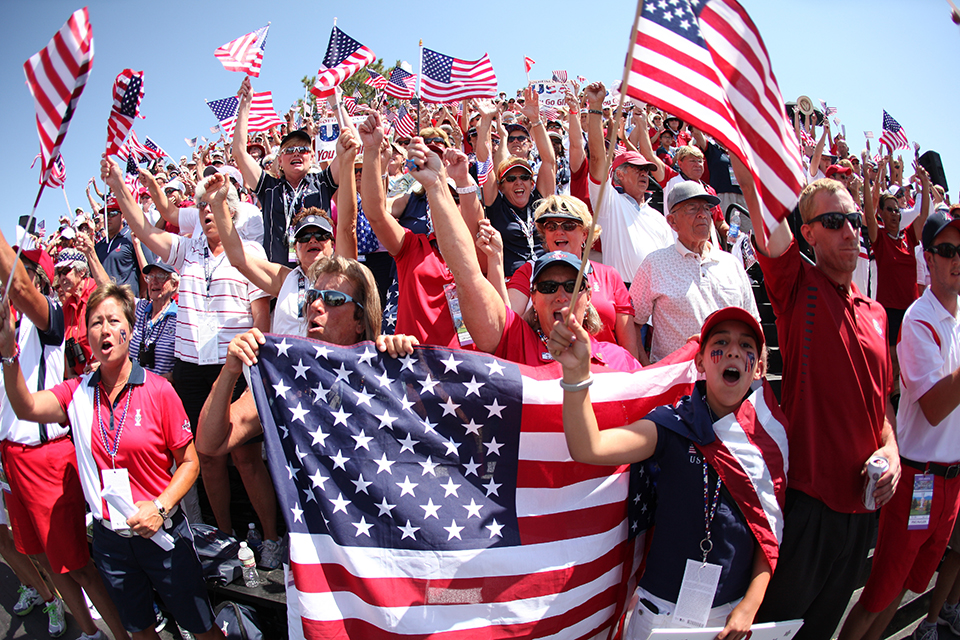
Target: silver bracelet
column 462, row 190
column 576, row 386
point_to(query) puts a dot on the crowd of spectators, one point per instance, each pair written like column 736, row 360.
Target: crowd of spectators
column 470, row 235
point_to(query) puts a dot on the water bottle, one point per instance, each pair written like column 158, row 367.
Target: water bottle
column 734, row 227
column 250, row 576
column 254, row 540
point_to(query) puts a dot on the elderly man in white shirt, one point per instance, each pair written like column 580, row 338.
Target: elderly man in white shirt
column 681, row 285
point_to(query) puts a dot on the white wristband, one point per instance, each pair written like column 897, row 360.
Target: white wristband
column 463, row 190
column 576, row 386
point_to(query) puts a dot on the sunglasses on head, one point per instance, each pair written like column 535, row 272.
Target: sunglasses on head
column 567, row 225
column 330, row 298
column 289, row 151
column 945, row 250
column 549, row 287
column 517, row 138
column 834, row 220
column 526, row 177
column 319, row 236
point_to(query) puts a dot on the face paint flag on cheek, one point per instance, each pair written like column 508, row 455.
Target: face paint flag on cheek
column 123, row 336
column 751, row 360
column 715, row 355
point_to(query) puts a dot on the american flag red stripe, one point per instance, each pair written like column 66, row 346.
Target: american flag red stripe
column 345, row 56
column 893, row 135
column 528, row 63
column 560, row 75
column 56, row 76
column 375, row 80
column 245, row 54
column 58, row 173
column 262, row 115
column 563, row 571
column 445, row 79
column 707, row 64
column 127, row 94
column 404, row 124
column 401, row 84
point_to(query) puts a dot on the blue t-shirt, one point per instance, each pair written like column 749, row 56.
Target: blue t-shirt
column 680, row 513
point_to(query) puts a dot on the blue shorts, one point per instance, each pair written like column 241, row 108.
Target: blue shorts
column 133, row 567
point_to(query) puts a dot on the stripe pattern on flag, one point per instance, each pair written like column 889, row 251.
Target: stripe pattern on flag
column 375, row 80
column 433, row 495
column 262, row 114
column 401, row 84
column 127, row 93
column 245, row 54
column 345, row 56
column 706, row 63
column 893, row 134
column 56, row 76
column 445, row 78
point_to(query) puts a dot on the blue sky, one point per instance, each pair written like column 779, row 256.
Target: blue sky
column 859, row 56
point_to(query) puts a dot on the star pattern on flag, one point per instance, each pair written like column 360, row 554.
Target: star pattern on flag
column 387, row 458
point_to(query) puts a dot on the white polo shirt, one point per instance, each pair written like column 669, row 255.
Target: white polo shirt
column 929, row 350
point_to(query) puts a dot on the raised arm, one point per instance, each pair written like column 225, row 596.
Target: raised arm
column 780, row 239
column 870, row 199
column 484, row 150
column 575, row 133
column 86, row 247
column 385, row 226
column 347, row 145
column 547, row 173
column 818, row 150
column 168, row 211
column 249, row 169
column 156, row 240
column 484, row 311
column 25, row 297
column 924, row 199
column 41, row 406
column 595, row 93
column 642, row 137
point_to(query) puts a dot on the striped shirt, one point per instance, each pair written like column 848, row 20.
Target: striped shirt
column 162, row 333
column 227, row 294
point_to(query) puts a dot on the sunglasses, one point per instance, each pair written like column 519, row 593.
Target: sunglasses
column 526, row 177
column 112, row 213
column 835, row 220
column 62, row 271
column 549, row 287
column 567, row 226
column 403, row 143
column 319, row 236
column 438, row 140
column 330, row 298
column 517, row 138
column 289, row 151
column 945, row 250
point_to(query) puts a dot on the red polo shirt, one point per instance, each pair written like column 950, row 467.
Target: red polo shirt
column 896, row 269
column 75, row 321
column 836, row 377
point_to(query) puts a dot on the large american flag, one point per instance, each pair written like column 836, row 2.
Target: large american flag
column 434, row 496
column 401, row 84
column 56, row 76
column 245, row 54
column 706, row 63
column 127, row 93
column 262, row 115
column 445, row 79
column 893, row 135
column 345, row 56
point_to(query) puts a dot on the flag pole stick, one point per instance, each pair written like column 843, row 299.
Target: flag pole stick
column 419, row 97
column 615, row 127
column 16, row 258
column 67, row 200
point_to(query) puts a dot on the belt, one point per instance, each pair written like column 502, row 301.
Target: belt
column 947, row 471
column 128, row 533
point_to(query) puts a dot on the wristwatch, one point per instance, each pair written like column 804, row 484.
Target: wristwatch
column 161, row 510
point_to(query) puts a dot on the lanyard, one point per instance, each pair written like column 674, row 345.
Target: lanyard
column 153, row 330
column 112, row 452
column 208, row 271
column 301, row 293
column 290, row 200
column 709, row 511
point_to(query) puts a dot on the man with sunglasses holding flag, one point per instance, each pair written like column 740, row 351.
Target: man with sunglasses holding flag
column 837, row 377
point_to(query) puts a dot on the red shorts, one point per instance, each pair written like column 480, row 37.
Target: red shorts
column 46, row 504
column 906, row 559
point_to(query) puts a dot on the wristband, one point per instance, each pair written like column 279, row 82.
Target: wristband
column 160, row 509
column 537, row 123
column 576, row 386
column 12, row 359
column 464, row 190
column 596, row 111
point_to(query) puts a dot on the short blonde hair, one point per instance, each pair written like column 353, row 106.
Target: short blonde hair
column 566, row 204
column 687, row 150
column 809, row 194
column 435, row 132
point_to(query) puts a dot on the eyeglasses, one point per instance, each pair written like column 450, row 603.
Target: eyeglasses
column 549, row 287
column 330, row 297
column 568, row 226
column 62, row 271
column 834, row 220
column 319, row 236
column 437, row 140
column 202, row 205
column 289, row 151
column 160, row 276
column 945, row 250
column 526, row 177
column 403, row 142
column 517, row 138
column 358, row 170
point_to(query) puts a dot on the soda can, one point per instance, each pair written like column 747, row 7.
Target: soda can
column 876, row 467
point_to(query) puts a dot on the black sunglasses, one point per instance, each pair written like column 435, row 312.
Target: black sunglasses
column 945, row 250
column 517, row 138
column 112, row 213
column 330, row 298
column 526, row 177
column 319, row 236
column 435, row 141
column 834, row 220
column 549, row 287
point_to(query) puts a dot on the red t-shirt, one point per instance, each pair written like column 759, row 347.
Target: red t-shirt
column 521, row 344
column 836, row 377
column 578, row 184
column 155, row 424
column 896, row 269
column 610, row 297
column 423, row 310
column 75, row 322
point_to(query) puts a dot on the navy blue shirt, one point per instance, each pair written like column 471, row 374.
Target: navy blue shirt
column 521, row 242
column 280, row 202
column 119, row 259
column 680, row 514
column 718, row 165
